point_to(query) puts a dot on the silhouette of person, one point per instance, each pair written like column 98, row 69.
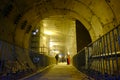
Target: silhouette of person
column 56, row 57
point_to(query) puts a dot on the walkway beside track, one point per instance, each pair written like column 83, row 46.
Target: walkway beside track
column 61, row 71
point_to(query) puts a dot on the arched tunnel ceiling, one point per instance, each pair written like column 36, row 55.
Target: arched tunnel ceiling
column 18, row 18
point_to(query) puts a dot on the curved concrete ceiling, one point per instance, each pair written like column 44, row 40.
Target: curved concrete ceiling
column 18, row 18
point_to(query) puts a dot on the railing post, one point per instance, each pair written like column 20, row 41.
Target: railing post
column 118, row 38
column 86, row 57
column 115, row 51
column 109, row 68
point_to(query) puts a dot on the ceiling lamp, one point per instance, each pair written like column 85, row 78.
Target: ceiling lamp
column 34, row 32
column 48, row 32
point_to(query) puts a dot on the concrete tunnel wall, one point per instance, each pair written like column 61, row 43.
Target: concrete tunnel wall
column 18, row 18
column 98, row 16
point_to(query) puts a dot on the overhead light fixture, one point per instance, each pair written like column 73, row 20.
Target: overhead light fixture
column 68, row 52
column 34, row 33
column 44, row 37
column 44, row 24
column 36, row 30
column 60, row 56
column 48, row 32
column 51, row 44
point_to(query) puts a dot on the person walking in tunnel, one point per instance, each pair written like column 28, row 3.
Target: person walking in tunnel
column 68, row 59
column 57, row 57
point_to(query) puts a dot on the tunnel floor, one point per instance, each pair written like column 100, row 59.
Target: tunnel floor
column 61, row 71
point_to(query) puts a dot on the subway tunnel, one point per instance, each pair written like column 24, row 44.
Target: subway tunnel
column 32, row 32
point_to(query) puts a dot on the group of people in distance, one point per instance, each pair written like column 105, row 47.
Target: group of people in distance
column 67, row 59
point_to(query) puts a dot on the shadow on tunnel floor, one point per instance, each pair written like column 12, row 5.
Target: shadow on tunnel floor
column 39, row 73
column 23, row 75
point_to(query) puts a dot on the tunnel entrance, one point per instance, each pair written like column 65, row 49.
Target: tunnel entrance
column 56, row 35
column 59, row 34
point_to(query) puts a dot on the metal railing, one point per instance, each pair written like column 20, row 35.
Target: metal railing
column 103, row 56
column 14, row 61
column 17, row 62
